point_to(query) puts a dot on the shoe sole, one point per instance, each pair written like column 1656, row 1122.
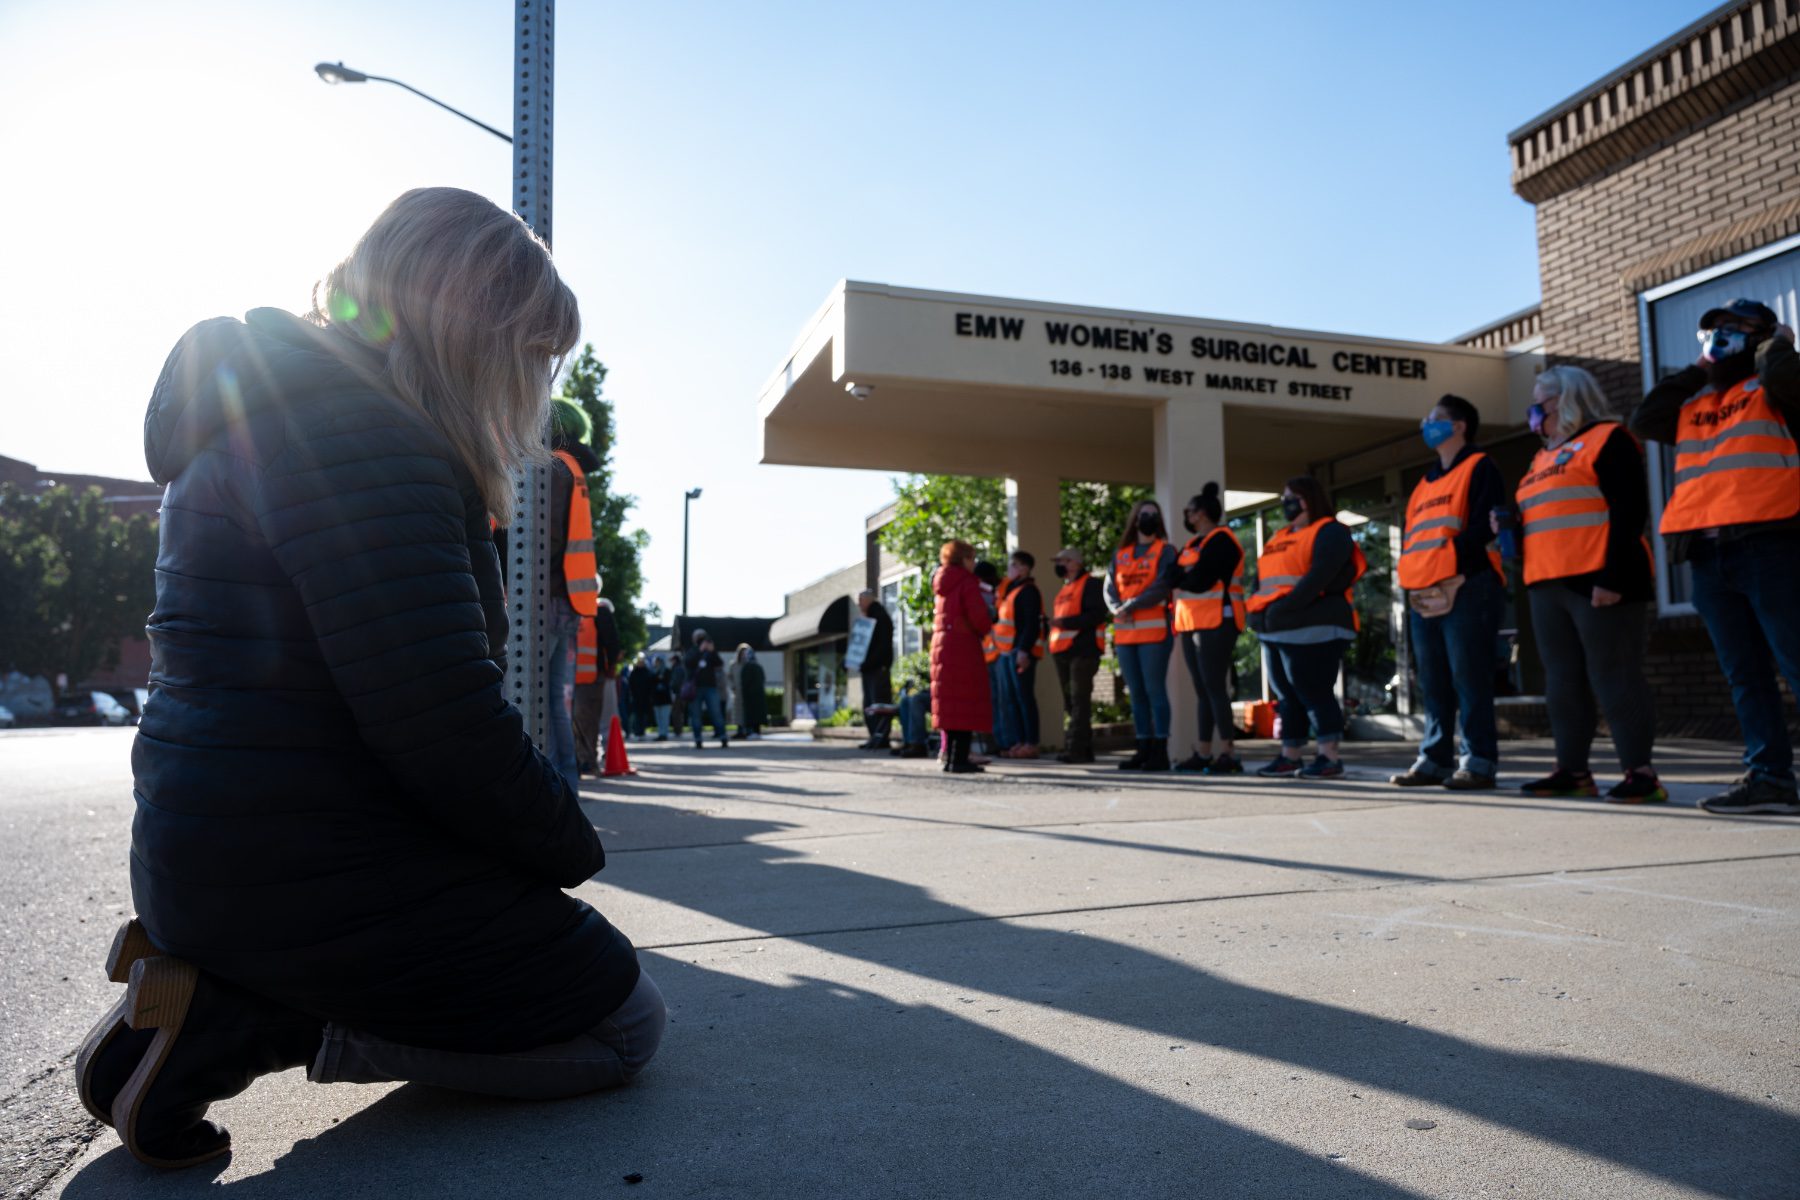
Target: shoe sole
column 1659, row 796
column 1771, row 808
column 1587, row 795
column 130, row 945
column 158, row 997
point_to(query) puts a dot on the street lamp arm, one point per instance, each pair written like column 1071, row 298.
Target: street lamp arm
column 459, row 112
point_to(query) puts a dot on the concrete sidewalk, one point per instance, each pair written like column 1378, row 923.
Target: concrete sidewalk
column 1051, row 981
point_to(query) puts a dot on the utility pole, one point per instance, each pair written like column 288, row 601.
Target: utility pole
column 527, row 546
column 687, row 504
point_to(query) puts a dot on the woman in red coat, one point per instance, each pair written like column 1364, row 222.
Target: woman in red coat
column 960, row 703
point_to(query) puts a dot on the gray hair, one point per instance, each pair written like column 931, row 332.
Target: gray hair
column 1579, row 399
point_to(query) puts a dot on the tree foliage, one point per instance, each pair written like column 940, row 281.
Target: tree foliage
column 75, row 578
column 618, row 554
column 933, row 509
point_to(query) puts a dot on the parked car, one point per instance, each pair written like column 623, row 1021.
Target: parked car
column 7, row 720
column 133, row 699
column 91, row 708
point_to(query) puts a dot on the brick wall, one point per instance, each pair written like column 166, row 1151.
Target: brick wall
column 1670, row 210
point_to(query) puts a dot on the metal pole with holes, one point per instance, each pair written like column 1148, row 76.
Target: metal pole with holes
column 527, row 548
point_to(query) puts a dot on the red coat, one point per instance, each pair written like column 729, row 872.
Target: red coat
column 960, row 699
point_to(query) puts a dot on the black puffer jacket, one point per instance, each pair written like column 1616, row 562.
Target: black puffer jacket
column 336, row 807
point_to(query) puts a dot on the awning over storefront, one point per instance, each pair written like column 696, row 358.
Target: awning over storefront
column 831, row 619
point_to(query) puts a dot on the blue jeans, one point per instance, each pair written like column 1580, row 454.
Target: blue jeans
column 1456, row 659
column 1023, row 686
column 1146, row 670
column 564, row 625
column 708, row 705
column 1006, row 709
column 1304, row 676
column 913, row 707
column 1745, row 591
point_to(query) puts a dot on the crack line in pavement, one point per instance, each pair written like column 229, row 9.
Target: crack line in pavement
column 974, row 918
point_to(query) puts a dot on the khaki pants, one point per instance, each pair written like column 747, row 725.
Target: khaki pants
column 588, row 726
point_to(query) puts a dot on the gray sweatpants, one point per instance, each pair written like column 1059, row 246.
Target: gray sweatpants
column 607, row 1055
column 1591, row 652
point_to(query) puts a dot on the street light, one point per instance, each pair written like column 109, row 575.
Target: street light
column 691, row 495
column 335, row 73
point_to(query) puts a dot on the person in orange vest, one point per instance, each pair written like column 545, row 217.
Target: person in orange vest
column 1003, row 732
column 1734, row 518
column 1456, row 592
column 1137, row 593
column 1208, row 589
column 1077, row 641
column 1582, row 507
column 1304, row 611
column 574, row 591
column 1018, row 637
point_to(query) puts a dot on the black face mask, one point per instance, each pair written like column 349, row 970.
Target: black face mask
column 1292, row 507
column 1062, row 572
column 1733, row 368
column 1150, row 523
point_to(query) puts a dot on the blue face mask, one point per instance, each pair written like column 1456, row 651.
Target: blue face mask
column 1723, row 343
column 1436, row 433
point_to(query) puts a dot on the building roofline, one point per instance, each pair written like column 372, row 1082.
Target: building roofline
column 1499, row 323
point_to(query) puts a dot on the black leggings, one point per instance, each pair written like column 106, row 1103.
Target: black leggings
column 1208, row 653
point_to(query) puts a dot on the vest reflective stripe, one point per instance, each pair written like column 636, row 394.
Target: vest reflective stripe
column 1206, row 610
column 587, row 651
column 1736, row 461
column 1564, row 516
column 1438, row 504
column 1555, row 495
column 1132, row 574
column 1285, row 560
column 578, row 550
column 1006, row 628
column 1068, row 604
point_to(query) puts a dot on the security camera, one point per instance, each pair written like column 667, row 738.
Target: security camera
column 861, row 391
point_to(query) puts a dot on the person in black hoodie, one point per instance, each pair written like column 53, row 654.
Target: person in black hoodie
column 877, row 669
column 1207, row 584
column 706, row 671
column 347, row 854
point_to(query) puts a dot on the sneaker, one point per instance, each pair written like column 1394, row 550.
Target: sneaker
column 1638, row 787
column 1280, row 768
column 1755, row 794
column 1194, row 762
column 1323, row 768
column 1561, row 784
column 1225, row 764
column 1413, row 777
column 1470, row 781
column 1073, row 758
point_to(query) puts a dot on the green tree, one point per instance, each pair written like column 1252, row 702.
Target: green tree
column 74, row 579
column 618, row 554
column 933, row 509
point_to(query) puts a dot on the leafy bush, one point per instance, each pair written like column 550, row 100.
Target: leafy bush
column 914, row 668
column 841, row 719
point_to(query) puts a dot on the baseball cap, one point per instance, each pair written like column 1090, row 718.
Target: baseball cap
column 1753, row 311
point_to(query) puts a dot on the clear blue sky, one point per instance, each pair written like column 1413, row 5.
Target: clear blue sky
column 719, row 166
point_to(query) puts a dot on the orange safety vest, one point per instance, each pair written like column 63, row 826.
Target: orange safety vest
column 1736, row 462
column 1287, row 557
column 1564, row 519
column 1068, row 604
column 1005, row 631
column 1131, row 575
column 587, row 651
column 1206, row 610
column 578, row 551
column 1436, row 513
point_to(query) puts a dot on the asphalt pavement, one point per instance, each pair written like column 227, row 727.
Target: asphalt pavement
column 1043, row 981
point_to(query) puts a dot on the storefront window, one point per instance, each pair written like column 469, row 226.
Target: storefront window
column 1669, row 316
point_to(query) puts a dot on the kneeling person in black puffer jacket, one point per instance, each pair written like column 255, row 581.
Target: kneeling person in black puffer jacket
column 347, row 855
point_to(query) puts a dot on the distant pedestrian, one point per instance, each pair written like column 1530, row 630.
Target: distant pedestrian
column 753, row 683
column 706, row 674
column 1004, row 721
column 877, row 669
column 641, row 683
column 1077, row 643
column 960, row 700
column 662, row 697
column 1019, row 637
column 681, row 698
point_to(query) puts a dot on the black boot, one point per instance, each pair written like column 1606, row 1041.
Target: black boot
column 112, row 1049
column 1157, row 756
column 959, row 755
column 207, row 1041
column 1136, row 761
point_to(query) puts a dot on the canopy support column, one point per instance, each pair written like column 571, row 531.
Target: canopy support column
column 1034, row 523
column 1189, row 453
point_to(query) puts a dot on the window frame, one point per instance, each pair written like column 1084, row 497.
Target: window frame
column 1665, row 606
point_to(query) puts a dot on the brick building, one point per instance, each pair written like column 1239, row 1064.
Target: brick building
column 1668, row 186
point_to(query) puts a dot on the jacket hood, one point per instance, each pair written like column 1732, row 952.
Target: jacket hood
column 223, row 372
column 952, row 576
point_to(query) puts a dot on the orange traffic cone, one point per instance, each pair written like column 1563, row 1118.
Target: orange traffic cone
column 616, row 762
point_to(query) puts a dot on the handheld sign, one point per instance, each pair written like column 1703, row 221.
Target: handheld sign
column 862, row 632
